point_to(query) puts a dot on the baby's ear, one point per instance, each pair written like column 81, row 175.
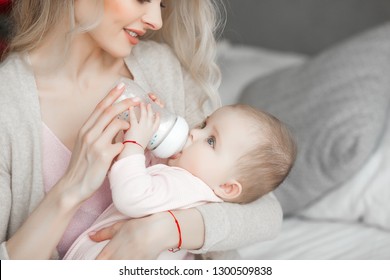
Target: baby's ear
column 229, row 190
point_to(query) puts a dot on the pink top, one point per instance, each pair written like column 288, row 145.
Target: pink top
column 56, row 157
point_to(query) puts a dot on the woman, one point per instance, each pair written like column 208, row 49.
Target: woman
column 58, row 124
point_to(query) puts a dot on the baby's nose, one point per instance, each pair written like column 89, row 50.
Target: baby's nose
column 193, row 134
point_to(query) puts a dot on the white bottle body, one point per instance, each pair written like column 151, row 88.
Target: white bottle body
column 172, row 132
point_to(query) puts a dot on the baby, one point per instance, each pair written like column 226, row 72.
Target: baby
column 237, row 154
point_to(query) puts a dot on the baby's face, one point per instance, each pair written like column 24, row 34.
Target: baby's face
column 213, row 148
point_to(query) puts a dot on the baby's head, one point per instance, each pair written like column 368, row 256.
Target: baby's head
column 269, row 159
column 240, row 152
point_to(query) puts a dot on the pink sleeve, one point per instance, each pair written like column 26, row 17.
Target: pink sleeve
column 138, row 191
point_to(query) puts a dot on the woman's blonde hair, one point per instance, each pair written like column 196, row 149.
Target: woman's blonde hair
column 189, row 28
column 32, row 21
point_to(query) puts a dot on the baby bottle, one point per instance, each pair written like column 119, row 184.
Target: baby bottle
column 172, row 133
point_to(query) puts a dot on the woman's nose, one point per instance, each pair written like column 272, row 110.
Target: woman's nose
column 152, row 18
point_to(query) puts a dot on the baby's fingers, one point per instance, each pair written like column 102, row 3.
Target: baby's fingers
column 132, row 116
column 156, row 122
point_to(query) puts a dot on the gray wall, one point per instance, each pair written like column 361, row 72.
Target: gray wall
column 306, row 26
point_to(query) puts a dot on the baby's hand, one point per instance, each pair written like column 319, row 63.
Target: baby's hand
column 143, row 127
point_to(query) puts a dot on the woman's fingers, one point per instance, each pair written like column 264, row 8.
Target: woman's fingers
column 130, row 240
column 139, row 239
column 110, row 113
column 106, row 233
column 156, row 100
column 112, row 130
column 94, row 150
column 106, row 102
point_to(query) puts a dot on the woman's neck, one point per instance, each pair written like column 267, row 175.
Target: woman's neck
column 82, row 59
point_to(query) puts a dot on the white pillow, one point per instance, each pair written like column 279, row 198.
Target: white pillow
column 241, row 64
column 365, row 198
column 336, row 105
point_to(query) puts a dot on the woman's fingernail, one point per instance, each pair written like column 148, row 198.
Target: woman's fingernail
column 120, row 85
column 91, row 233
column 136, row 99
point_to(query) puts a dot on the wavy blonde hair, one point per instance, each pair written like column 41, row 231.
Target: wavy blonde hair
column 32, row 21
column 196, row 23
column 190, row 28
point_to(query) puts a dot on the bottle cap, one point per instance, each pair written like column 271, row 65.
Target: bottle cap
column 174, row 141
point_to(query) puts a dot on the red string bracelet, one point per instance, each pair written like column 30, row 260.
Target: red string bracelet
column 132, row 142
column 174, row 250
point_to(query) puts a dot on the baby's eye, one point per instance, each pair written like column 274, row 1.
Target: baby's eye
column 211, row 141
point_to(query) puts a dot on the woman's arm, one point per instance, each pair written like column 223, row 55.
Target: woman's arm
column 207, row 228
column 91, row 158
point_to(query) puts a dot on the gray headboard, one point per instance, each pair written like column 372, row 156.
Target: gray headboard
column 305, row 26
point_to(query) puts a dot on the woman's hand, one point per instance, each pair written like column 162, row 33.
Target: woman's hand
column 142, row 238
column 146, row 238
column 95, row 149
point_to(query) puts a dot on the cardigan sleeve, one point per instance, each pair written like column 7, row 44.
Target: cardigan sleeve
column 5, row 197
column 5, row 208
column 5, row 159
column 21, row 184
column 227, row 223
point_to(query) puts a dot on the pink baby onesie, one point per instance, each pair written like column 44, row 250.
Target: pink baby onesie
column 139, row 191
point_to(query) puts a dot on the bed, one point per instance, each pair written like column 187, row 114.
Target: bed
column 336, row 200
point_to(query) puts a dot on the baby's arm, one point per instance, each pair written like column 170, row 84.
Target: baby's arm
column 138, row 191
column 128, row 175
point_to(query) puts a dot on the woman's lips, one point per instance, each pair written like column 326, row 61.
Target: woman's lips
column 133, row 40
column 133, row 35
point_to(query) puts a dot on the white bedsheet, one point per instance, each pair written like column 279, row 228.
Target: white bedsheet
column 314, row 240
